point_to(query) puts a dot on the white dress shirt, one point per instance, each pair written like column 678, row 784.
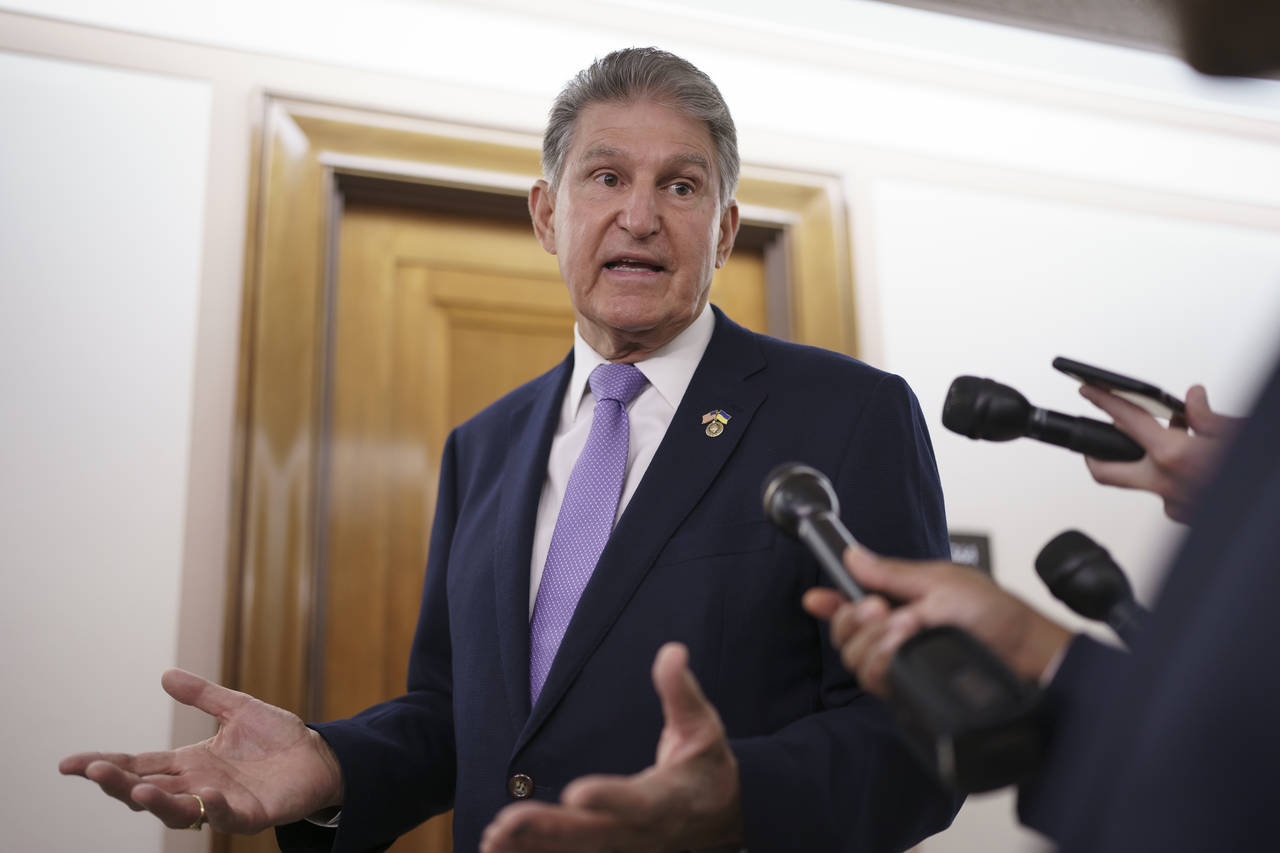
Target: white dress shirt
column 669, row 371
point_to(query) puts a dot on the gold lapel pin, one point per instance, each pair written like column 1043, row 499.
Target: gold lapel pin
column 715, row 422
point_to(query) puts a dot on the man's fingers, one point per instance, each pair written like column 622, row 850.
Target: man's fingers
column 75, row 765
column 1203, row 419
column 179, row 809
column 869, row 652
column 1142, row 474
column 176, row 811
column 856, row 617
column 1198, row 405
column 822, row 603
column 1132, row 420
column 1127, row 475
column 900, row 579
column 621, row 795
column 168, row 784
column 190, row 689
column 683, row 704
column 113, row 781
column 141, row 764
column 536, row 827
column 899, row 627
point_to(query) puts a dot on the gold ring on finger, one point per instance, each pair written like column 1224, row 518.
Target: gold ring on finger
column 199, row 821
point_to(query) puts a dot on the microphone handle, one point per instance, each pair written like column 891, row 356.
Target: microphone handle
column 1083, row 435
column 827, row 537
column 1127, row 618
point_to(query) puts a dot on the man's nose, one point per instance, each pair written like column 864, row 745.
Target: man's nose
column 639, row 215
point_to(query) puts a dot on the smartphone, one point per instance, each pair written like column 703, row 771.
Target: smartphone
column 1158, row 402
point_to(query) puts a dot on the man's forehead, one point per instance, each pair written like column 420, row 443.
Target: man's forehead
column 612, row 152
column 642, row 128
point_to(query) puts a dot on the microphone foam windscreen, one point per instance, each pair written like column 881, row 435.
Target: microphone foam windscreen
column 1061, row 550
column 960, row 410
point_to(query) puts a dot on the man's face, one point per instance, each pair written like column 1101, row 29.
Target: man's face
column 636, row 224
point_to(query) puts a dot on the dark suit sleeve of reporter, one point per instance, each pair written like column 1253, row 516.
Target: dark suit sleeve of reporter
column 1089, row 673
column 398, row 758
column 842, row 778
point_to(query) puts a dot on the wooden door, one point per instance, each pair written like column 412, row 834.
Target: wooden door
column 436, row 316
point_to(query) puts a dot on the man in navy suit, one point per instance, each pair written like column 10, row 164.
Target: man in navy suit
column 641, row 164
column 1175, row 746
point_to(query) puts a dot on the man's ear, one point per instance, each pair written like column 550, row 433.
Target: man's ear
column 728, row 233
column 542, row 210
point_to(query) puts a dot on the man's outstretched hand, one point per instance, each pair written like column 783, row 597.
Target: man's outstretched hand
column 688, row 800
column 262, row 768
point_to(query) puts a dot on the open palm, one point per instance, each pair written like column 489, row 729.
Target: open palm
column 262, row 768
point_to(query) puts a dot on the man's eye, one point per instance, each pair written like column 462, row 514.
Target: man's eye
column 682, row 188
column 608, row 179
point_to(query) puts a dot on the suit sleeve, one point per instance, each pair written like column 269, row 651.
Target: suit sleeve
column 842, row 778
column 398, row 757
column 1072, row 703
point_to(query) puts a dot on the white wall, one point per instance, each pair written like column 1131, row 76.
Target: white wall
column 102, row 178
column 1013, row 196
column 1008, row 282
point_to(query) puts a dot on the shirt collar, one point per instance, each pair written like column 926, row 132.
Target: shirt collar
column 669, row 369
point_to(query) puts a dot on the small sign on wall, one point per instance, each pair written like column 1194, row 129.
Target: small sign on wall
column 971, row 549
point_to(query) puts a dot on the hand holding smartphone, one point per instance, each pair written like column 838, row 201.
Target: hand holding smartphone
column 1152, row 399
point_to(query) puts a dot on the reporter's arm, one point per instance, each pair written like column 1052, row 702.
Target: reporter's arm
column 868, row 633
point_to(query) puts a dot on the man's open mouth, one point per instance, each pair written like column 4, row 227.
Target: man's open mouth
column 632, row 265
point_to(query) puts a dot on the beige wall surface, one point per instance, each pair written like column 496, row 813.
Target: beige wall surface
column 100, row 248
column 1013, row 196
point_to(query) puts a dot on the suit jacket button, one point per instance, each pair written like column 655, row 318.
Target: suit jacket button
column 520, row 786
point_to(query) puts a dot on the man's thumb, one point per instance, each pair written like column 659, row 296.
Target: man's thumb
column 1203, row 419
column 191, row 689
column 683, row 703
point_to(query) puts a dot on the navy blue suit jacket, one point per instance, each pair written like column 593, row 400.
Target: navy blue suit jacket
column 1176, row 747
column 691, row 559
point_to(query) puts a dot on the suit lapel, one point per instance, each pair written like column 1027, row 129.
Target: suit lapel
column 532, row 428
column 682, row 470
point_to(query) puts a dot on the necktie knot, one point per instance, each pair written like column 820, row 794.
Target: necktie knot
column 621, row 382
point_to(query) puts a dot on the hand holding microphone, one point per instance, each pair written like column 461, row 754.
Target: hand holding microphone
column 1137, row 452
column 968, row 717
column 985, row 409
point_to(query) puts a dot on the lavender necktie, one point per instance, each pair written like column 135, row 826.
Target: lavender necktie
column 586, row 516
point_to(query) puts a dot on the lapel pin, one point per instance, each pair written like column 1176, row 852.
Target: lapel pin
column 715, row 422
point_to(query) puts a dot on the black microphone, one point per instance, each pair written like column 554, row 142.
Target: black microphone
column 983, row 408
column 1080, row 573
column 967, row 716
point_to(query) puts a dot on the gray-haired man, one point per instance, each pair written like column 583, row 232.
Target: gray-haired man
column 566, row 555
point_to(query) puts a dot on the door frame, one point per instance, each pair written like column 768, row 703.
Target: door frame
column 307, row 152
